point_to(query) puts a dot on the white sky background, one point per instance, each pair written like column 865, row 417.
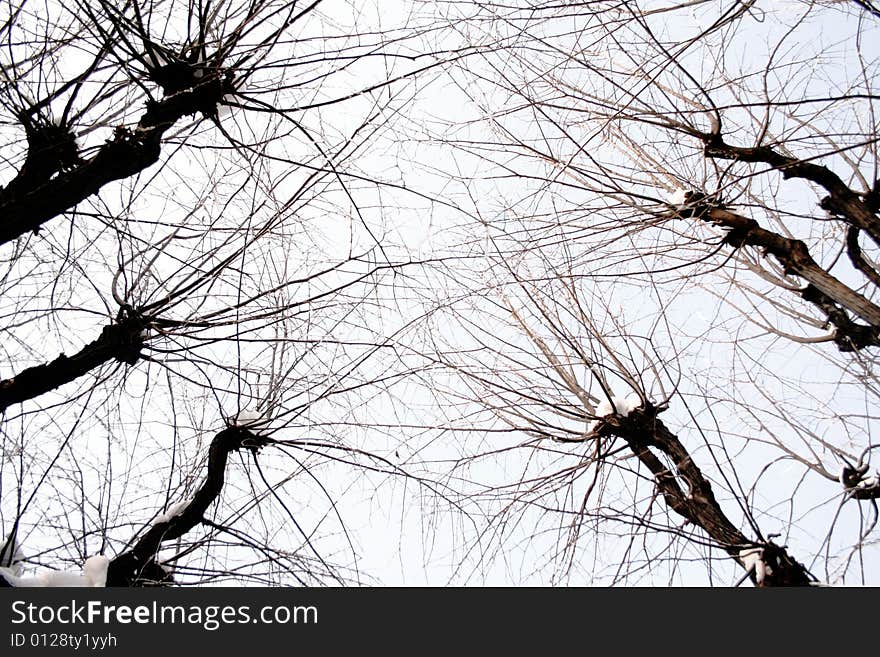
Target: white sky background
column 404, row 532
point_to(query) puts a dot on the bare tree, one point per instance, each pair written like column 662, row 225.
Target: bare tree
column 193, row 273
column 646, row 349
column 673, row 353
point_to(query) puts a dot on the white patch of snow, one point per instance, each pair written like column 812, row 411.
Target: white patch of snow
column 622, row 406
column 870, row 482
column 752, row 559
column 94, row 574
column 252, row 420
column 173, row 511
column 677, row 197
column 95, row 570
column 29, row 582
column 760, row 571
column 244, row 418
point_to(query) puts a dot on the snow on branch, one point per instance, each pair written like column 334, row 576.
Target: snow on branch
column 678, row 198
column 253, row 421
column 173, row 511
column 858, row 483
column 138, row 566
column 94, row 574
column 615, row 406
column 752, row 560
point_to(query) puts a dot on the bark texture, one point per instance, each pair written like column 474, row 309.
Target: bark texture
column 644, row 433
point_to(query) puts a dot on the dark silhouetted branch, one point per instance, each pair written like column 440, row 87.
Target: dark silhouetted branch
column 642, row 430
column 121, row 341
column 826, row 292
column 841, row 200
column 31, row 200
column 138, row 567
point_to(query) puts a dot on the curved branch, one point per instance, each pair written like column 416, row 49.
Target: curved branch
column 138, row 566
column 841, row 200
column 869, row 6
column 854, row 251
column 848, row 335
column 795, row 258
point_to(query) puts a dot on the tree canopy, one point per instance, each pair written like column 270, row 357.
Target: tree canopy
column 530, row 292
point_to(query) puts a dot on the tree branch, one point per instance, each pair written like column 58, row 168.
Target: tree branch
column 795, row 258
column 841, row 200
column 848, row 335
column 121, row 341
column 29, row 201
column 825, row 291
column 854, row 251
column 642, row 430
column 138, row 566
column 869, row 6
